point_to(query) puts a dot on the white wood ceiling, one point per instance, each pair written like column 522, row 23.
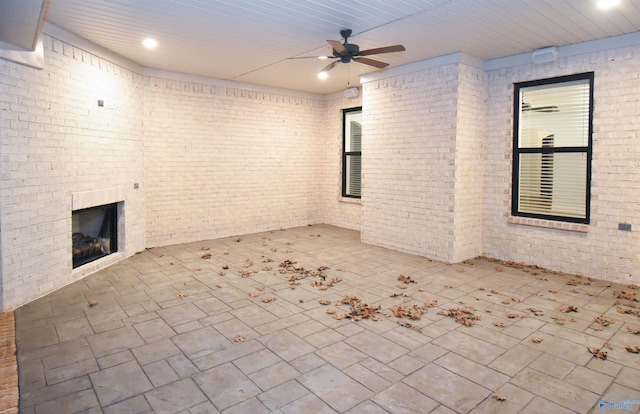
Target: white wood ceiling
column 250, row 40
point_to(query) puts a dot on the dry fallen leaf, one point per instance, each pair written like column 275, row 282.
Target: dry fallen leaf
column 254, row 294
column 206, row 256
column 182, row 295
column 537, row 339
column 225, row 267
column 410, row 326
column 634, row 331
column 499, row 268
column 269, row 299
column 92, row 303
column 536, row 311
column 331, row 311
column 324, row 302
column 568, row 308
column 205, row 248
column 499, row 324
column 559, row 320
column 239, row 338
column 498, row 396
column 633, row 350
column 632, row 286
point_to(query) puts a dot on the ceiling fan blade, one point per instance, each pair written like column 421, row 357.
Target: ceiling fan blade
column 330, row 66
column 337, row 46
column 378, row 50
column 370, row 62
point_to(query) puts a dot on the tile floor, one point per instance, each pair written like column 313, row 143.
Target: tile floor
column 215, row 326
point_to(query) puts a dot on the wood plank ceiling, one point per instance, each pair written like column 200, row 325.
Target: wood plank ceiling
column 251, row 40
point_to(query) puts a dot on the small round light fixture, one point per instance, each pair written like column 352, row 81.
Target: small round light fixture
column 323, row 57
column 150, row 43
column 607, row 4
column 323, row 75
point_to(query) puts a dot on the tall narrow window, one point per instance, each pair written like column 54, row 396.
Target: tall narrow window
column 552, row 148
column 352, row 153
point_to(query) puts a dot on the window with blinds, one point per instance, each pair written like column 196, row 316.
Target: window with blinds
column 552, row 148
column 352, row 153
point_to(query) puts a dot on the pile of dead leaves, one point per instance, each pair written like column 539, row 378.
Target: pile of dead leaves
column 406, row 279
column 600, row 322
column 465, row 316
column 568, row 308
column 597, row 352
column 357, row 309
column 295, row 273
column 629, row 310
column 625, row 294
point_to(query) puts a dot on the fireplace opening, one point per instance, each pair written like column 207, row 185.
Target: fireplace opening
column 94, row 234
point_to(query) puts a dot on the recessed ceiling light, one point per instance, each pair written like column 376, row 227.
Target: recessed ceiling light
column 323, row 75
column 607, row 4
column 149, row 43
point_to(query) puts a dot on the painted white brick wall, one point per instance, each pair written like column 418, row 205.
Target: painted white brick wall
column 602, row 252
column 469, row 169
column 222, row 161
column 336, row 210
column 55, row 141
column 409, row 160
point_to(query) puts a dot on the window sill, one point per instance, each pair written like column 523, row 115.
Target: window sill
column 549, row 224
column 350, row 200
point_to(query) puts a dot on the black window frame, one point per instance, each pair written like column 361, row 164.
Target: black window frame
column 550, row 150
column 347, row 154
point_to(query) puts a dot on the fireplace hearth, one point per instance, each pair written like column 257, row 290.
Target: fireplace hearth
column 95, row 233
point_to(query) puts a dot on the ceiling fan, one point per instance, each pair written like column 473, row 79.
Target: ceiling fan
column 346, row 52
